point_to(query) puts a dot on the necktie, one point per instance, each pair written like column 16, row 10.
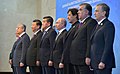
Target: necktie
column 98, row 26
column 96, row 29
column 17, row 38
column 43, row 34
column 57, row 35
column 80, row 24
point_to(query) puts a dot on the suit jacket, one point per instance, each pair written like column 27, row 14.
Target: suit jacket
column 12, row 51
column 19, row 54
column 69, row 37
column 58, row 49
column 13, row 48
column 81, row 43
column 46, row 46
column 102, row 45
column 31, row 56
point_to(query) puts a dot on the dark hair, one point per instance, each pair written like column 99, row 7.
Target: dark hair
column 65, row 22
column 74, row 12
column 38, row 22
column 88, row 7
column 106, row 8
column 24, row 27
column 49, row 19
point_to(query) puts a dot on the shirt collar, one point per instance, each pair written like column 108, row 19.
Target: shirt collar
column 73, row 25
column 21, row 34
column 41, row 29
column 36, row 32
column 84, row 19
column 101, row 21
column 61, row 30
column 47, row 29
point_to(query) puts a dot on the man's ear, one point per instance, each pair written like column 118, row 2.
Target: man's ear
column 49, row 23
column 104, row 13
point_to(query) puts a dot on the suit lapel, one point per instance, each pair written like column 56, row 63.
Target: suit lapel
column 33, row 37
column 71, row 29
column 97, row 29
column 84, row 23
column 61, row 34
column 22, row 36
column 45, row 35
column 94, row 30
column 59, row 37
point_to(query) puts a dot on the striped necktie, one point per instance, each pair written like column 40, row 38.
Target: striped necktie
column 57, row 35
column 44, row 34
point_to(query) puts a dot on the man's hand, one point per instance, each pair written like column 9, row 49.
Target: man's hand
column 50, row 63
column 61, row 65
column 10, row 62
column 101, row 65
column 21, row 64
column 38, row 63
column 87, row 61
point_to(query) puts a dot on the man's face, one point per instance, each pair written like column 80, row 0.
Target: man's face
column 45, row 24
column 17, row 35
column 19, row 29
column 70, row 17
column 82, row 12
column 99, row 14
column 59, row 24
column 34, row 26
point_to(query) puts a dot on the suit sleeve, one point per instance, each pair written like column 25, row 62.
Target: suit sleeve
column 12, row 51
column 10, row 55
column 109, row 39
column 38, row 46
column 90, row 28
column 25, row 44
column 52, row 40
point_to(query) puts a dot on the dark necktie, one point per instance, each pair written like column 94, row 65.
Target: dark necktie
column 96, row 29
column 18, row 38
column 98, row 26
column 57, row 35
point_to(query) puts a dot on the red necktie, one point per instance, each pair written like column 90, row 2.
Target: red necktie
column 80, row 24
column 98, row 25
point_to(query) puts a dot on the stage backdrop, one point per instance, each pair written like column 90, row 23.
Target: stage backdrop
column 62, row 7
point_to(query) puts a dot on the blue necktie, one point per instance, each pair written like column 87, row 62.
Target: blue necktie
column 43, row 34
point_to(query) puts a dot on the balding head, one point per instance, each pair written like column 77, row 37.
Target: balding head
column 60, row 23
column 20, row 28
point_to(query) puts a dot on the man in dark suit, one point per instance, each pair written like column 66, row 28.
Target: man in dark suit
column 102, row 55
column 32, row 49
column 58, row 45
column 80, row 46
column 11, row 53
column 46, row 44
column 19, row 54
column 65, row 60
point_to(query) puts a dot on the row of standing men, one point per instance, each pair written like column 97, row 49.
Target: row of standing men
column 87, row 47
